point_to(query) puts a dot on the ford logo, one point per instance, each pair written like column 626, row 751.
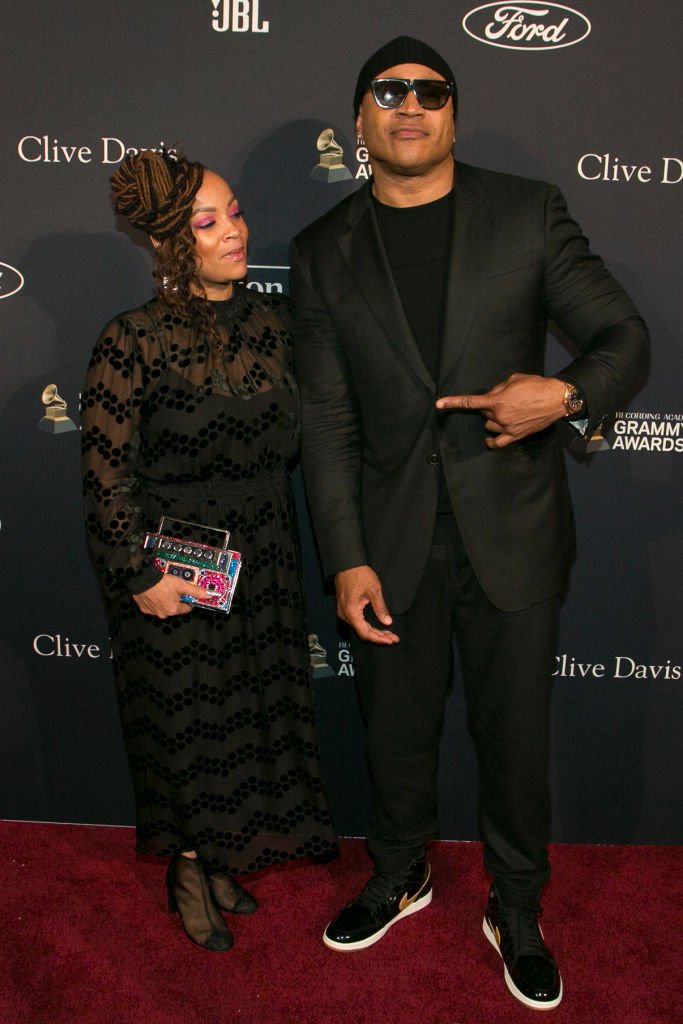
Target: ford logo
column 526, row 26
column 11, row 281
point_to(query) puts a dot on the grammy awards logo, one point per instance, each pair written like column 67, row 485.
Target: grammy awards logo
column 318, row 658
column 655, row 432
column 330, row 166
column 652, row 431
column 54, row 419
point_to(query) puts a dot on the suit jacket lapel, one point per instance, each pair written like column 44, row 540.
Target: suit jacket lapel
column 476, row 222
column 366, row 260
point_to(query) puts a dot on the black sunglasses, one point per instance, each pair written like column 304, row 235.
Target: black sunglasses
column 430, row 93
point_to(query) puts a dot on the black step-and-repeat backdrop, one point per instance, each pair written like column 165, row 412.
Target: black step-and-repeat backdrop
column 260, row 91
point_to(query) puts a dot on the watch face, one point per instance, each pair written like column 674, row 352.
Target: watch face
column 573, row 401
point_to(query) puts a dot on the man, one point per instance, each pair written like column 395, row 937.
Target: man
column 443, row 517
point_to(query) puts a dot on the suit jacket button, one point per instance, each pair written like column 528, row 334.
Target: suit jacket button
column 434, row 459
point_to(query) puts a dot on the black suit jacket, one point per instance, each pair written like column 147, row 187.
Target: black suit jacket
column 372, row 439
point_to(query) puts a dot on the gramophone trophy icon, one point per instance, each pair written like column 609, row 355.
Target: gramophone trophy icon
column 330, row 166
column 54, row 419
column 595, row 443
column 318, row 658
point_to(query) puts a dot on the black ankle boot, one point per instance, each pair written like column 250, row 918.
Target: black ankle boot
column 190, row 896
column 230, row 896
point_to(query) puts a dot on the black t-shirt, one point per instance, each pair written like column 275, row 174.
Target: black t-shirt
column 417, row 240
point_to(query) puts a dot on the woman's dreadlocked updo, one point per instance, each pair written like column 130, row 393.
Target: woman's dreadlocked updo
column 155, row 191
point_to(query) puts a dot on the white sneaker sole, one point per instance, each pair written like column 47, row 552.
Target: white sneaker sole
column 531, row 1003
column 351, row 947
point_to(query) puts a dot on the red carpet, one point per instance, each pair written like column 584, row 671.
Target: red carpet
column 85, row 940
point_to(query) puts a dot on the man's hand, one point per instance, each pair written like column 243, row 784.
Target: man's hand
column 522, row 405
column 357, row 588
column 163, row 599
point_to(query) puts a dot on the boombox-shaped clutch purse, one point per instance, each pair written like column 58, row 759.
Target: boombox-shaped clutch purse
column 216, row 569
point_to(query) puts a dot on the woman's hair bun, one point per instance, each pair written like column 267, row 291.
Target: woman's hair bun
column 155, row 191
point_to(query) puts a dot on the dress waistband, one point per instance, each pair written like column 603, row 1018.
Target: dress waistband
column 215, row 487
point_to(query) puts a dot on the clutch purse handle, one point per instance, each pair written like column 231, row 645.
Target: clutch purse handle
column 185, row 522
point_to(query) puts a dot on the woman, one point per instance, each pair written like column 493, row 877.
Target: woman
column 190, row 411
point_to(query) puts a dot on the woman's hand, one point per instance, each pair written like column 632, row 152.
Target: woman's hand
column 163, row 599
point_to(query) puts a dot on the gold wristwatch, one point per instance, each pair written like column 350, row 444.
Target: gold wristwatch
column 572, row 399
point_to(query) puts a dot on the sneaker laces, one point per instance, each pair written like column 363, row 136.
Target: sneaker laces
column 377, row 890
column 524, row 932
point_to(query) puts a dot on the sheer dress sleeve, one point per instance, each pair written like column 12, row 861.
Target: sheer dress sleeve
column 111, row 402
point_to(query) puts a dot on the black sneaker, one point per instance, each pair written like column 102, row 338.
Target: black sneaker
column 384, row 901
column 531, row 974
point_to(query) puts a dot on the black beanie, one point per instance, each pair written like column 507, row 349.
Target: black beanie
column 402, row 50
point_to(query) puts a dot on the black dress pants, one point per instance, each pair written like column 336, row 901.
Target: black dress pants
column 507, row 661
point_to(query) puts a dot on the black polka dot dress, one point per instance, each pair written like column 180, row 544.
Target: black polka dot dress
column 216, row 709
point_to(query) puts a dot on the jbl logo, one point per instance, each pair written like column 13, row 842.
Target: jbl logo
column 237, row 16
